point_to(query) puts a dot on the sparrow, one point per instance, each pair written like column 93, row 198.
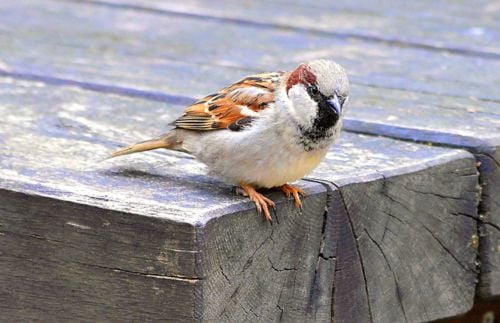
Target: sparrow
column 264, row 131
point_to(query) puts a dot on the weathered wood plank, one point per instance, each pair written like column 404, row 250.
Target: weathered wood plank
column 434, row 25
column 71, row 262
column 390, row 233
column 195, row 243
column 58, row 65
column 168, row 77
column 161, row 75
column 128, row 238
column 489, row 284
column 469, row 121
column 267, row 275
column 86, row 33
column 470, row 124
column 452, row 121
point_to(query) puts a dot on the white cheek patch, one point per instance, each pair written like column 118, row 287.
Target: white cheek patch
column 304, row 109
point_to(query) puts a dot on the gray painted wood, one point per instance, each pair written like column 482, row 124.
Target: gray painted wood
column 152, row 237
column 80, row 36
column 434, row 25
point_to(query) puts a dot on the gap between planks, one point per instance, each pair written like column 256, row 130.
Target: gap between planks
column 268, row 25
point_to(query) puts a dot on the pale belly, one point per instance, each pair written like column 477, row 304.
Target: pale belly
column 286, row 169
column 262, row 161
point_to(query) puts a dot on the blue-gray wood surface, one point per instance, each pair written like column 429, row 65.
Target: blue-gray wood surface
column 403, row 225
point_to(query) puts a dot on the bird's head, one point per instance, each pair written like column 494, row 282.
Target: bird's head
column 318, row 91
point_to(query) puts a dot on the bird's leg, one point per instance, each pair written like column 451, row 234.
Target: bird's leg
column 261, row 202
column 295, row 191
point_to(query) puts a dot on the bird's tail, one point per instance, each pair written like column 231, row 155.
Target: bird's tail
column 168, row 140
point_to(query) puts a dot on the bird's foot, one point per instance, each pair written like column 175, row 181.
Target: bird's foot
column 295, row 191
column 261, row 202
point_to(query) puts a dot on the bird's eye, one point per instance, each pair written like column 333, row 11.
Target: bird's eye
column 313, row 89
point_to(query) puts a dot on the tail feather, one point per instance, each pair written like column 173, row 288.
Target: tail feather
column 166, row 141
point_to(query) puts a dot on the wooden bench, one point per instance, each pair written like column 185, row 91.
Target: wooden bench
column 390, row 229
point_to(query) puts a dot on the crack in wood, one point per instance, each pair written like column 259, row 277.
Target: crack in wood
column 327, row 186
column 249, row 261
column 440, row 242
column 386, row 229
column 280, row 270
column 493, row 225
column 223, row 274
column 464, row 267
column 243, row 308
column 234, row 294
column 398, row 289
column 475, row 218
column 427, row 229
column 224, row 313
column 434, row 194
column 279, row 300
column 138, row 273
column 475, row 271
column 281, row 310
column 358, row 252
column 393, row 216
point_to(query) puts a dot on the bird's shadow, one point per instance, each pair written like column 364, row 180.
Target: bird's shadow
column 181, row 181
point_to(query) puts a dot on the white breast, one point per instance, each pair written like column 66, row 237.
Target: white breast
column 266, row 155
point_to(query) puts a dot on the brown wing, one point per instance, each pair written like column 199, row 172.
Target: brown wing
column 242, row 100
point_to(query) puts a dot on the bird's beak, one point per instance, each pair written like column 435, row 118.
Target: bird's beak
column 335, row 104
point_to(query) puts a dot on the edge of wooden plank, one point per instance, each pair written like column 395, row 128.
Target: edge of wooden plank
column 422, row 135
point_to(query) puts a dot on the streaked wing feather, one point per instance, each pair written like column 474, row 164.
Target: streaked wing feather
column 240, row 100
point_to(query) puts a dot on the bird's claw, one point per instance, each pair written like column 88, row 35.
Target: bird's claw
column 295, row 191
column 261, row 202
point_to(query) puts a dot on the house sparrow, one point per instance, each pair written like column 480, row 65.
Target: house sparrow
column 263, row 131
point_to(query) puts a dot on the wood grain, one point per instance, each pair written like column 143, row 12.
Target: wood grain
column 92, row 42
column 433, row 25
column 151, row 236
column 72, row 262
column 428, row 84
column 489, row 208
column 403, row 244
column 136, row 238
